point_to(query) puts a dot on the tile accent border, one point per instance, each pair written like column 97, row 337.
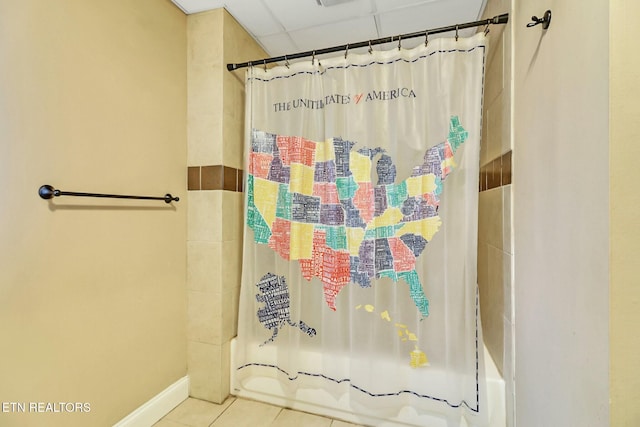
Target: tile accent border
column 215, row 177
column 496, row 173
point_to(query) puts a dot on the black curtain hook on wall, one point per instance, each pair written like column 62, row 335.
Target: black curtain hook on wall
column 545, row 20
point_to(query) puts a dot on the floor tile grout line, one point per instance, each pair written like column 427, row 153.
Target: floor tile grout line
column 224, row 410
column 277, row 415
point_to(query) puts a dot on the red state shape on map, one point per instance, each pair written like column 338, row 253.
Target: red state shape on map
column 295, row 149
column 306, row 267
column 403, row 257
column 332, row 267
column 336, row 274
column 363, row 200
column 327, row 191
column 431, row 199
column 448, row 154
column 259, row 164
column 313, row 267
column 280, row 237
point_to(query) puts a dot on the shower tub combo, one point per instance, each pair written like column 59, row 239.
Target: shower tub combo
column 318, row 401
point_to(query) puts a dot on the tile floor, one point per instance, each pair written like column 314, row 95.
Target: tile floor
column 237, row 412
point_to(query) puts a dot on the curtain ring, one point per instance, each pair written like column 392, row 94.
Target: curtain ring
column 426, row 38
column 313, row 58
column 456, row 33
column 265, row 65
column 370, row 48
column 399, row 42
column 346, row 52
column 486, row 29
column 286, row 61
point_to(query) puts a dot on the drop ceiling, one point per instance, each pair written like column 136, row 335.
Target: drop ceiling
column 288, row 26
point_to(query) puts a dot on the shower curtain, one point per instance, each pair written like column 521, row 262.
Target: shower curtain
column 360, row 238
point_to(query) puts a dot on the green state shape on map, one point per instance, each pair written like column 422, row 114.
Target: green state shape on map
column 457, row 134
column 397, row 193
column 283, row 207
column 415, row 290
column 346, row 187
column 337, row 237
column 255, row 221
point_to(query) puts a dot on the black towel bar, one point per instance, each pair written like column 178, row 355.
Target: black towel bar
column 48, row 192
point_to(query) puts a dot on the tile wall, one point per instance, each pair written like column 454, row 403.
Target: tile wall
column 215, row 113
column 495, row 247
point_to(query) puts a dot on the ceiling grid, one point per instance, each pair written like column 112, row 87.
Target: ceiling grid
column 288, row 26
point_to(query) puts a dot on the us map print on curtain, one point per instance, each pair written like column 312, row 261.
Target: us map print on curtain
column 360, row 231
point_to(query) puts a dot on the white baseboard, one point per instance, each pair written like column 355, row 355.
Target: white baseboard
column 158, row 406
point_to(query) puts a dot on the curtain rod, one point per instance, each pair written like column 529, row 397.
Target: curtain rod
column 499, row 19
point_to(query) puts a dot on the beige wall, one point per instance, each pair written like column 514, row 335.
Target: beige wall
column 561, row 213
column 92, row 291
column 215, row 155
column 624, row 217
column 495, row 248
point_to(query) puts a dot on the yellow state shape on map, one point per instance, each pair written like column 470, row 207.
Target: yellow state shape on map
column 265, row 193
column 355, row 236
column 325, row 151
column 300, row 243
column 419, row 185
column 391, row 216
column 449, row 163
column 301, row 180
column 360, row 167
column 385, row 315
column 425, row 227
column 418, row 358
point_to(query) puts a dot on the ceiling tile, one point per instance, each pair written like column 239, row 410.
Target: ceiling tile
column 298, row 14
column 428, row 15
column 354, row 30
column 278, row 44
column 255, row 17
column 388, row 5
column 290, row 26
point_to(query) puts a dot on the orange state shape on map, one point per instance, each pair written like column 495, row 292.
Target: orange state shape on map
column 295, row 149
column 332, row 267
column 327, row 191
column 312, row 267
column 336, row 274
column 403, row 257
column 281, row 237
column 364, row 202
column 260, row 164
